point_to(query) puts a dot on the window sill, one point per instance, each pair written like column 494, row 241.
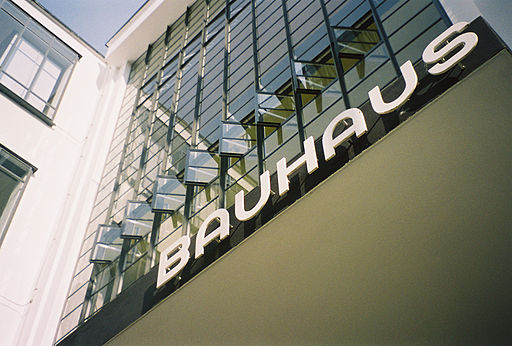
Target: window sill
column 27, row 106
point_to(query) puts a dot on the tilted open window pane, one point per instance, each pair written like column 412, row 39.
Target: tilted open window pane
column 192, row 48
column 168, row 195
column 314, row 76
column 138, row 220
column 356, row 42
column 215, row 25
column 274, row 108
column 361, row 49
column 108, row 244
column 202, row 167
column 148, row 89
column 170, row 68
column 236, row 138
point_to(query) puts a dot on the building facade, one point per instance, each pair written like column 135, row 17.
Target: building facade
column 227, row 90
column 257, row 76
column 55, row 92
column 198, row 102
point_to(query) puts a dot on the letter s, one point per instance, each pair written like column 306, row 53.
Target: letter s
column 432, row 54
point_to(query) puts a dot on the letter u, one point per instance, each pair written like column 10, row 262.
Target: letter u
column 411, row 81
column 240, row 212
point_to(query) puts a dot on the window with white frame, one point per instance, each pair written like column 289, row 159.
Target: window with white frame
column 34, row 64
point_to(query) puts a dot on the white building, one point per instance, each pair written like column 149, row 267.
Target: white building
column 57, row 98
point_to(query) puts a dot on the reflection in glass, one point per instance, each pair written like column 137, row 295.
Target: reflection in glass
column 275, row 108
column 202, row 167
column 168, row 195
column 314, row 76
column 197, row 219
column 355, row 42
column 108, row 244
column 148, row 89
column 135, row 270
column 203, row 195
column 33, row 64
column 280, row 135
column 215, row 26
column 236, row 138
column 321, row 102
column 102, row 285
column 373, row 59
column 138, row 220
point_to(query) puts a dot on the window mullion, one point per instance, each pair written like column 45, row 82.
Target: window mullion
column 13, row 49
column 38, row 72
column 384, row 37
column 296, row 96
column 224, row 161
column 335, row 55
column 260, row 131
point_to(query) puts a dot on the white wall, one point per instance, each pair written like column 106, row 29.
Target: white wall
column 42, row 243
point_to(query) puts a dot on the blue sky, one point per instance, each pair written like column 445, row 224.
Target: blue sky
column 93, row 20
column 97, row 20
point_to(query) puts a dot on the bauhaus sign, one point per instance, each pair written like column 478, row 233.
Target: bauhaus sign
column 443, row 53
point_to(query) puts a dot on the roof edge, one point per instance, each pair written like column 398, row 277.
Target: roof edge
column 143, row 28
column 63, row 26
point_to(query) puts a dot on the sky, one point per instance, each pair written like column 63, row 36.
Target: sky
column 96, row 21
column 496, row 12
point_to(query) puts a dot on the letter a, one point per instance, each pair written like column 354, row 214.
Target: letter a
column 222, row 231
column 411, row 81
column 358, row 128
column 170, row 266
column 244, row 215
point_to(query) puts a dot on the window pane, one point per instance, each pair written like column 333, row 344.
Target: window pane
column 8, row 34
column 13, row 173
column 23, row 63
column 8, row 190
column 169, row 194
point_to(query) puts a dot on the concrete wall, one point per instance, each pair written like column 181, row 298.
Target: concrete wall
column 42, row 243
column 408, row 243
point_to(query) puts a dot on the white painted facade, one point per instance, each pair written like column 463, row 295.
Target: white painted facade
column 42, row 243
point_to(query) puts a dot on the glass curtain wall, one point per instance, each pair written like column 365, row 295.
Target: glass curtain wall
column 230, row 88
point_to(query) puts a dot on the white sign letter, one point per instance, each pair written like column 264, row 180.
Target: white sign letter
column 222, row 231
column 240, row 212
column 283, row 171
column 170, row 266
column 431, row 54
column 358, row 128
column 411, row 81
